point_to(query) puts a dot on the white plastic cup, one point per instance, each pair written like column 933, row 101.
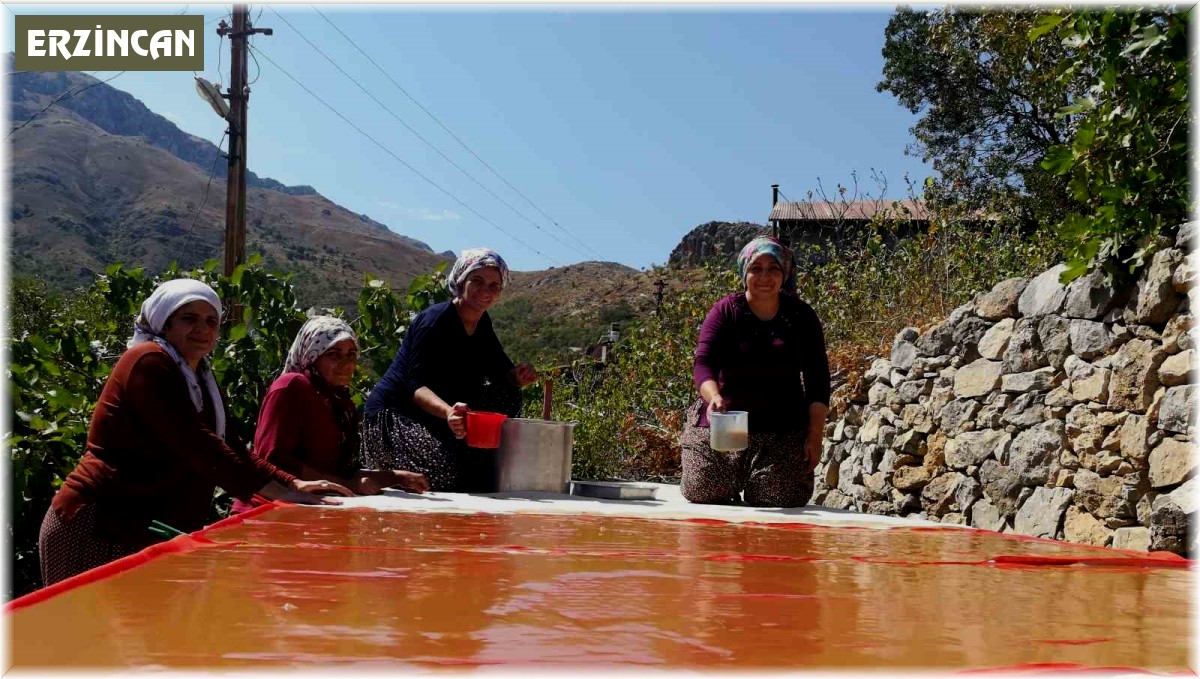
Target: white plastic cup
column 730, row 431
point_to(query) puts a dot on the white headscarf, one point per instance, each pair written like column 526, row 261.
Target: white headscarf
column 315, row 338
column 148, row 327
column 470, row 260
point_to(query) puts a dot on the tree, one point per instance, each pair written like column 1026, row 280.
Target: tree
column 987, row 97
column 1127, row 160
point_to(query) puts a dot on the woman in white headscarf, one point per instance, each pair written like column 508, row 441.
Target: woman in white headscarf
column 159, row 443
column 450, row 361
column 308, row 425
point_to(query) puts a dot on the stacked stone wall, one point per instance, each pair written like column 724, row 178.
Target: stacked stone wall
column 1037, row 408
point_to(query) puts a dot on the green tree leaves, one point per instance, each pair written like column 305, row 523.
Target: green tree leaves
column 986, row 96
column 1127, row 163
column 1070, row 120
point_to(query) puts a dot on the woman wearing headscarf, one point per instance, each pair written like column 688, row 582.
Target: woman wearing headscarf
column 159, row 443
column 761, row 351
column 450, row 361
column 308, row 424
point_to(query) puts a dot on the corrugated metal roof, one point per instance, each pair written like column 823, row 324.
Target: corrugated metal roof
column 858, row 209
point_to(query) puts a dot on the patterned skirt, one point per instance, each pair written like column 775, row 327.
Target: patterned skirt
column 771, row 472
column 391, row 440
column 67, row 548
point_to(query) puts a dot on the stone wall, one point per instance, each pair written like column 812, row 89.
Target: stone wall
column 1037, row 408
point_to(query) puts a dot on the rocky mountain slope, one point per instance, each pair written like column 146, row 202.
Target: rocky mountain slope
column 715, row 241
column 99, row 178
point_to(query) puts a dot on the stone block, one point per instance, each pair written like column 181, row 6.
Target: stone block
column 1171, row 463
column 1042, row 514
column 1044, row 294
column 1001, row 301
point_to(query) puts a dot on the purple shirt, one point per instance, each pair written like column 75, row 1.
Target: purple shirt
column 772, row 369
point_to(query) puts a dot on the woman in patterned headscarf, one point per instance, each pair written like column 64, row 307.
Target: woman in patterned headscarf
column 159, row 443
column 308, row 424
column 760, row 351
column 450, row 361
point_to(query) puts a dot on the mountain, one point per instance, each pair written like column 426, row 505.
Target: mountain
column 714, row 241
column 544, row 314
column 99, row 178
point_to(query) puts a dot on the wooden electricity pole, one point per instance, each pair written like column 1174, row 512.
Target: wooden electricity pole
column 239, row 97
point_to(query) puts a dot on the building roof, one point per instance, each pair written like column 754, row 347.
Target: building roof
column 856, row 210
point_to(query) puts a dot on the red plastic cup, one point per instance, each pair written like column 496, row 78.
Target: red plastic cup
column 483, row 429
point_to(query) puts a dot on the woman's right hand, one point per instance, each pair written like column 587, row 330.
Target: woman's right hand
column 365, row 485
column 456, row 417
column 717, row 405
column 322, row 486
column 413, row 482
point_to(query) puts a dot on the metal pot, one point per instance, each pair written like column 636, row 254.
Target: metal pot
column 535, row 455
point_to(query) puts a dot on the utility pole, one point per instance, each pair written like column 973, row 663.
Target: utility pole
column 239, row 97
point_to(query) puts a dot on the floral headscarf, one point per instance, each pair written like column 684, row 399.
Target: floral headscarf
column 471, row 260
column 317, row 335
column 148, row 327
column 768, row 245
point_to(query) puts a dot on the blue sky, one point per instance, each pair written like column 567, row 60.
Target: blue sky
column 627, row 126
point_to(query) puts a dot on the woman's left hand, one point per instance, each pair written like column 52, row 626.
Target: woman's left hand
column 523, row 375
column 812, row 449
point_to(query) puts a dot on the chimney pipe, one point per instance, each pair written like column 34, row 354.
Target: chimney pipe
column 774, row 194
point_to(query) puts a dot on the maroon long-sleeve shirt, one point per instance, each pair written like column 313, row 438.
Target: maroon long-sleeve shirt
column 151, row 455
column 296, row 427
column 772, row 369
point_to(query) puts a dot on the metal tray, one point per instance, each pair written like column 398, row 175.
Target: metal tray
column 614, row 490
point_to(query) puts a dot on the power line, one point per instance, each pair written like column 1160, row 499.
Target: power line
column 257, row 68
column 398, row 158
column 220, row 44
column 451, row 133
column 211, row 173
column 65, row 95
column 423, row 139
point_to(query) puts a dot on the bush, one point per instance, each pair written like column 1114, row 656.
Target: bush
column 629, row 410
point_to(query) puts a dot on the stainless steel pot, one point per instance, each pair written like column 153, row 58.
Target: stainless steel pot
column 535, row 455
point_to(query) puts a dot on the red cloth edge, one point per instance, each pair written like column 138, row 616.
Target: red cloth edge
column 179, row 543
column 1064, row 667
column 235, row 519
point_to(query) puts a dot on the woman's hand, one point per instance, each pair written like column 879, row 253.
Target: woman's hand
column 523, row 375
column 275, row 490
column 717, row 405
column 321, row 487
column 456, row 417
column 365, row 485
column 412, row 482
column 812, row 449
